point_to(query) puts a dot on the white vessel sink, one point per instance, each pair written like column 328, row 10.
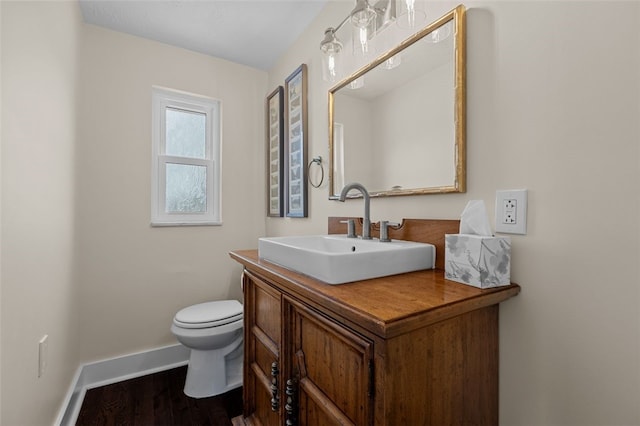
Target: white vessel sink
column 336, row 259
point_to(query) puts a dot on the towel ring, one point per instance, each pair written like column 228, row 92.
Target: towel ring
column 317, row 160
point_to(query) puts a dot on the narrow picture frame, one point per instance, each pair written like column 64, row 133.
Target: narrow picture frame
column 275, row 152
column 296, row 142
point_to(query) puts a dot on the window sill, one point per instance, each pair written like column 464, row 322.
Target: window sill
column 165, row 224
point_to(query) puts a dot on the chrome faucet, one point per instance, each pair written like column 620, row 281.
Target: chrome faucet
column 366, row 224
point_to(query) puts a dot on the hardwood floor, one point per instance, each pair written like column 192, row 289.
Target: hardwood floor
column 156, row 400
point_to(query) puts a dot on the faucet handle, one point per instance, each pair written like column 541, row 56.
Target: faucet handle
column 351, row 227
column 384, row 230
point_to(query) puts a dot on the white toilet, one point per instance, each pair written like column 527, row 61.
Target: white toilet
column 213, row 332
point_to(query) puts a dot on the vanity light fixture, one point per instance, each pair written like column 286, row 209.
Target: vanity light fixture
column 331, row 47
column 366, row 20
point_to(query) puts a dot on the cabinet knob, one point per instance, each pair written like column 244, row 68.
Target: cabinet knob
column 275, row 398
column 290, row 406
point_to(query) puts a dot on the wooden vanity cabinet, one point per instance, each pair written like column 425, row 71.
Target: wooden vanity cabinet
column 410, row 349
column 290, row 347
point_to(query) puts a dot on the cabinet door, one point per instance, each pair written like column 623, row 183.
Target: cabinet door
column 263, row 343
column 334, row 370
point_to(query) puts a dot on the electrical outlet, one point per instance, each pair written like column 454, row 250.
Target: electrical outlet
column 511, row 211
column 43, row 347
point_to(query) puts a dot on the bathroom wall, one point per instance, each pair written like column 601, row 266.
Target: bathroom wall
column 553, row 101
column 38, row 286
column 134, row 278
column 80, row 261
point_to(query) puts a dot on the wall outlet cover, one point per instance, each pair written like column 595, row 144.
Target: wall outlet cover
column 511, row 211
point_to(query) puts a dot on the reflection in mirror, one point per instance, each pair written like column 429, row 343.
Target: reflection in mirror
column 398, row 125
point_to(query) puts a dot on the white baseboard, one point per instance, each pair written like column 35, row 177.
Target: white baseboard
column 115, row 370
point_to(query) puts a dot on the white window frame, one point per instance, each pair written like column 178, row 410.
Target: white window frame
column 163, row 98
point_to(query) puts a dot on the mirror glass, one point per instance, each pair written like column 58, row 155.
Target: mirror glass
column 400, row 130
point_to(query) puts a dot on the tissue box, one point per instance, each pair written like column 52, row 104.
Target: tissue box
column 476, row 260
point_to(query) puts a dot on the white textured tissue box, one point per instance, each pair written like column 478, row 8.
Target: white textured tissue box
column 479, row 261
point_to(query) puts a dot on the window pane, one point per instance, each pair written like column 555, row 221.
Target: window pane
column 185, row 134
column 186, row 189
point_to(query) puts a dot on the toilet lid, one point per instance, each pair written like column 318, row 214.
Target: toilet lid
column 209, row 314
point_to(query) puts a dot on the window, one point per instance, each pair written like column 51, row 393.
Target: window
column 186, row 159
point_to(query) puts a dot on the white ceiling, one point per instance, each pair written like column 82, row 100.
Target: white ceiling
column 250, row 32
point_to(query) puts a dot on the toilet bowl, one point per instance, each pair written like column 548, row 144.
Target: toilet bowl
column 213, row 333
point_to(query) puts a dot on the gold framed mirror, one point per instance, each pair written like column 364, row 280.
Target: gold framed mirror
column 401, row 130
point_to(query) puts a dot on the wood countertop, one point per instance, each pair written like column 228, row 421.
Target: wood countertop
column 386, row 306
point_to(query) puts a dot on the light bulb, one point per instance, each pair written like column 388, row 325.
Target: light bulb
column 411, row 12
column 331, row 64
column 330, row 70
column 363, row 37
column 409, row 16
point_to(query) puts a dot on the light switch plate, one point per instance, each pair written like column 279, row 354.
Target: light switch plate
column 511, row 211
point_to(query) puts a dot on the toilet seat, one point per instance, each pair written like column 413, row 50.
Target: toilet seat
column 209, row 314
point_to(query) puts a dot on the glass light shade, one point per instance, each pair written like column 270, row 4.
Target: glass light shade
column 363, row 20
column 330, row 48
column 357, row 83
column 331, row 67
column 440, row 34
column 392, row 62
column 361, row 37
column 362, row 14
column 409, row 16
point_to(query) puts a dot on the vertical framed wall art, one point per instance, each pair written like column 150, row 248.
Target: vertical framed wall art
column 275, row 152
column 296, row 142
